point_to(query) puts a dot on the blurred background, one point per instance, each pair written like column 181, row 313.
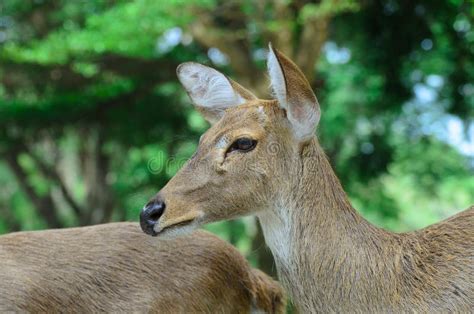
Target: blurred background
column 93, row 121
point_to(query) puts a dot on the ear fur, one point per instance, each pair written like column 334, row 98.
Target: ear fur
column 211, row 91
column 294, row 94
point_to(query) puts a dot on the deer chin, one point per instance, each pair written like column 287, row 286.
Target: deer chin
column 177, row 227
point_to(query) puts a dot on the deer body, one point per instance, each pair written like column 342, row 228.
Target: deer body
column 261, row 157
column 115, row 268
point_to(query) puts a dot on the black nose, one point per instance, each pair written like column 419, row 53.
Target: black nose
column 150, row 215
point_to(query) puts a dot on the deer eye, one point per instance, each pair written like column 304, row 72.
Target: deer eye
column 243, row 144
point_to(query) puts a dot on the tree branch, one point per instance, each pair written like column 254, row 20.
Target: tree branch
column 43, row 204
column 312, row 39
column 283, row 36
column 230, row 38
column 51, row 173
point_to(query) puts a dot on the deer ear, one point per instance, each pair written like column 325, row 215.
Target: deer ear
column 211, row 91
column 294, row 94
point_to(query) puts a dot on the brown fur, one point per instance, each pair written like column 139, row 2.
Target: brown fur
column 328, row 257
column 116, row 268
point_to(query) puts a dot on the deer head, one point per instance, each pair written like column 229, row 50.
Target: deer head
column 251, row 156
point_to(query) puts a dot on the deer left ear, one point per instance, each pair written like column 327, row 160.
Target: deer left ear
column 211, row 91
column 294, row 94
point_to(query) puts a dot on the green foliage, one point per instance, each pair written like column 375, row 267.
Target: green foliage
column 142, row 20
column 312, row 10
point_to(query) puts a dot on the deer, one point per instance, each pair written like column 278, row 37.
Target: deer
column 115, row 267
column 263, row 157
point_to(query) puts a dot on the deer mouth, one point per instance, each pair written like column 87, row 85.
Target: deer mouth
column 178, row 228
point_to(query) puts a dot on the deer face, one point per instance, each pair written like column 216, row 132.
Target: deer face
column 247, row 158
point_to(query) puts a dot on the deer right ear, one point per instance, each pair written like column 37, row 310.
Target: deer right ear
column 211, row 91
column 294, row 94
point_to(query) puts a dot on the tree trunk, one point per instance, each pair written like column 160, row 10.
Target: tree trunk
column 99, row 197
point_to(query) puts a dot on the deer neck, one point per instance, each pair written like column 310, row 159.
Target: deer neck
column 318, row 239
